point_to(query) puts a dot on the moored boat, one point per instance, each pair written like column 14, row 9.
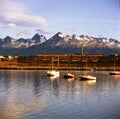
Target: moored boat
column 87, row 77
column 68, row 75
column 53, row 73
column 115, row 73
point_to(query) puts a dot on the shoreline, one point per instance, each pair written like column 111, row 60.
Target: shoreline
column 90, row 62
column 102, row 68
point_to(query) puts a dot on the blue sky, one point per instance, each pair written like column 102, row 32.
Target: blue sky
column 24, row 18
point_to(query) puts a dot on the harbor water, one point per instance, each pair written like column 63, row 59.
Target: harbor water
column 31, row 94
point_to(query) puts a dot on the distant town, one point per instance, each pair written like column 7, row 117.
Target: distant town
column 93, row 62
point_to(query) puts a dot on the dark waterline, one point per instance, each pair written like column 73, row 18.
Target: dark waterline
column 30, row 94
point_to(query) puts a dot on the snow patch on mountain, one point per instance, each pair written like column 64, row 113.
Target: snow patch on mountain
column 61, row 40
column 80, row 41
column 9, row 42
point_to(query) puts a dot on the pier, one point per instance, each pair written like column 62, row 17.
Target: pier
column 95, row 62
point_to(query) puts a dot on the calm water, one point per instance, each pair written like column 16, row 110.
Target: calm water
column 32, row 95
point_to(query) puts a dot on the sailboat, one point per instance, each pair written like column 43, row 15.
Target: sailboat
column 53, row 72
column 86, row 76
column 115, row 72
column 68, row 74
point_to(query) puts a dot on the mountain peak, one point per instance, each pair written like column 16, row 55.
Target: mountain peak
column 7, row 39
column 38, row 39
column 60, row 41
column 59, row 34
column 36, row 36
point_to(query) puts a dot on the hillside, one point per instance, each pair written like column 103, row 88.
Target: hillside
column 58, row 43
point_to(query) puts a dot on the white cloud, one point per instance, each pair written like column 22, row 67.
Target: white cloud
column 23, row 33
column 11, row 25
column 40, row 31
column 17, row 14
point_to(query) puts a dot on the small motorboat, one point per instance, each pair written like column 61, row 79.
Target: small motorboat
column 68, row 75
column 87, row 77
column 115, row 73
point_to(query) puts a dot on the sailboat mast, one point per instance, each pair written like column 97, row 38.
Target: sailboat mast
column 58, row 61
column 52, row 63
column 82, row 51
column 114, row 64
column 86, row 64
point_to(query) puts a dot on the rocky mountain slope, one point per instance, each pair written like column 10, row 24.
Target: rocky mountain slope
column 58, row 43
column 81, row 41
column 9, row 42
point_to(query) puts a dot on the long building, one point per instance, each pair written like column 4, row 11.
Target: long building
column 62, row 61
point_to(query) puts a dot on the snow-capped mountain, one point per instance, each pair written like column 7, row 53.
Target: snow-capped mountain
column 59, row 40
column 80, row 41
column 6, row 42
column 58, row 43
column 9, row 42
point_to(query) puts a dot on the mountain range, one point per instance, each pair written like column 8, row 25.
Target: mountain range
column 58, row 43
column 9, row 42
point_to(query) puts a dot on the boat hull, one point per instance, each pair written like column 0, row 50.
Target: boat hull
column 68, row 75
column 53, row 73
column 114, row 73
column 87, row 77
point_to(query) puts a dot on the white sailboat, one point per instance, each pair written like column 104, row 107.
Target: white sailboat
column 68, row 74
column 114, row 72
column 53, row 72
column 87, row 76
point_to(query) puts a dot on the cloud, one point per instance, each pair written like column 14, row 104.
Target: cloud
column 69, row 30
column 23, row 33
column 17, row 14
column 11, row 25
column 40, row 31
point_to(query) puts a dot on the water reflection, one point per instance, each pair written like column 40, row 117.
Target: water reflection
column 36, row 83
column 19, row 98
column 70, row 79
column 3, row 115
column 89, row 81
column 5, row 80
column 55, row 85
column 53, row 77
column 31, row 95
